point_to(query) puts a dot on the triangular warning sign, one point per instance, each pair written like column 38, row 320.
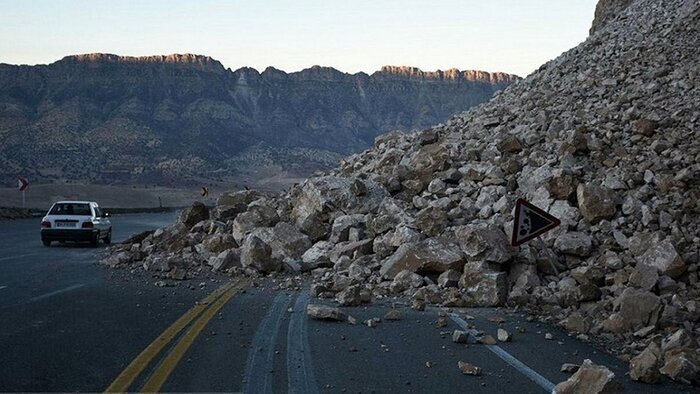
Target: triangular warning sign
column 530, row 222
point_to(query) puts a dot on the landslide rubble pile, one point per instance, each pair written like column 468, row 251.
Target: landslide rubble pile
column 605, row 138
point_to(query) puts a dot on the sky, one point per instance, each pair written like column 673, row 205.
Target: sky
column 514, row 36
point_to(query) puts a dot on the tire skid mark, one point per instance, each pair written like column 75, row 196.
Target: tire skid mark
column 300, row 373
column 258, row 378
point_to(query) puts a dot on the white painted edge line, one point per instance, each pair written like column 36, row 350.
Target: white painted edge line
column 511, row 360
column 18, row 256
column 261, row 354
column 3, row 287
column 53, row 293
column 300, row 372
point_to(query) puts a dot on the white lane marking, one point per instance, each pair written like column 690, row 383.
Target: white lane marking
column 18, row 256
column 300, row 372
column 3, row 287
column 53, row 293
column 512, row 361
column 258, row 377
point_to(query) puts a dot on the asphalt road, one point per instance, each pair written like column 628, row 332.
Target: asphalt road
column 68, row 324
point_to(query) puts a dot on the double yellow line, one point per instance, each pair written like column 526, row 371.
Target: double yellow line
column 203, row 313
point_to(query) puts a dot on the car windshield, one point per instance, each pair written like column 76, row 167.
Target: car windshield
column 70, row 209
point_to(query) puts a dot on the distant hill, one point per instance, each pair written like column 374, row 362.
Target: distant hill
column 179, row 118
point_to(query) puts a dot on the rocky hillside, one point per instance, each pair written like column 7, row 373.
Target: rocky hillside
column 606, row 138
column 167, row 119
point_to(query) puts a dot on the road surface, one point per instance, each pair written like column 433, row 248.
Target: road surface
column 69, row 324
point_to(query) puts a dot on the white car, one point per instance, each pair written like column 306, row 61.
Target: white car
column 76, row 221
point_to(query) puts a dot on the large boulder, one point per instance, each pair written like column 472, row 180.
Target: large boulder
column 242, row 197
column 682, row 365
column 227, row 212
column 219, row 242
column 286, row 242
column 645, row 366
column 638, row 308
column 574, row 243
column 430, row 255
column 261, row 215
column 482, row 286
column 590, row 378
column 424, row 162
column 481, row 243
column 332, row 193
column 664, row 257
column 431, row 221
column 595, row 202
column 406, row 280
column 194, row 214
column 255, row 253
column 225, row 260
column 340, row 230
column 317, row 256
column 351, row 249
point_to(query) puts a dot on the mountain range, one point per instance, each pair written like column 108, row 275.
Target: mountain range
column 178, row 119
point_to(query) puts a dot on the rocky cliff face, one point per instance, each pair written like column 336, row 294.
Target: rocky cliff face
column 105, row 118
column 606, row 138
column 607, row 10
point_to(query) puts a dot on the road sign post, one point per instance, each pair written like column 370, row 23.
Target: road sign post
column 22, row 183
column 531, row 222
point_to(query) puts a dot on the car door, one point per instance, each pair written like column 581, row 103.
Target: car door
column 105, row 224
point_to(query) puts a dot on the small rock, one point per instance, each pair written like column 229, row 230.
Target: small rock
column 468, row 368
column 324, row 312
column 441, row 322
column 548, row 336
column 459, row 336
column 392, row 315
column 504, row 336
column 418, row 305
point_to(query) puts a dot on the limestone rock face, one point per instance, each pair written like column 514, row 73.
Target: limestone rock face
column 173, row 109
column 607, row 10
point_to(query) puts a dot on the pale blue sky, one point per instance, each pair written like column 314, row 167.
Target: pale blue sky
column 514, row 36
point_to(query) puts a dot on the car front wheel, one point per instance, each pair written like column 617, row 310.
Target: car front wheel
column 108, row 238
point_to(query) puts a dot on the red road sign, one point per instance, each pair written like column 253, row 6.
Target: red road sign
column 22, row 183
column 530, row 222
